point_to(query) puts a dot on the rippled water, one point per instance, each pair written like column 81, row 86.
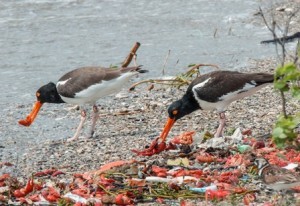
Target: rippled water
column 41, row 40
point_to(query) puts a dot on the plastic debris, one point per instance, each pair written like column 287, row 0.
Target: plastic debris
column 237, row 136
column 244, row 148
column 75, row 197
column 203, row 189
column 178, row 162
column 291, row 166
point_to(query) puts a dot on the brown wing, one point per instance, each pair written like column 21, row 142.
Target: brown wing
column 81, row 78
column 224, row 82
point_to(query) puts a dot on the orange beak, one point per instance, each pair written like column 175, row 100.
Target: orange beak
column 167, row 129
column 30, row 118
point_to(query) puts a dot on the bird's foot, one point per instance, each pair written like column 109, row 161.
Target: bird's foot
column 72, row 139
column 89, row 136
column 79, row 128
column 85, row 137
column 155, row 148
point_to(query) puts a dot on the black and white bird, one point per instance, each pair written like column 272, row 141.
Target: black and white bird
column 82, row 86
column 274, row 177
column 215, row 91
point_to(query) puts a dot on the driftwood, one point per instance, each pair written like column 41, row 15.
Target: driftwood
column 283, row 39
column 180, row 80
column 131, row 54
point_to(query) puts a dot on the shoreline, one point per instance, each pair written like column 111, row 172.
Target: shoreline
column 144, row 121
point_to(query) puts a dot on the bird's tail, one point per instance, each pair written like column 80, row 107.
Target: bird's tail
column 263, row 78
column 134, row 69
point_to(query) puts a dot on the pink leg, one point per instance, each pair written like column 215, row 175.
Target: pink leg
column 219, row 132
column 79, row 128
column 94, row 120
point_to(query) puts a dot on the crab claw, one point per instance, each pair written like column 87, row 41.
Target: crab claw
column 155, row 148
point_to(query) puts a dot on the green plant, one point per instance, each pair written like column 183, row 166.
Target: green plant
column 283, row 132
column 287, row 79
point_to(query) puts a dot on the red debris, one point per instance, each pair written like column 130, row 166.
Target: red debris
column 205, row 158
column 45, row 172
column 216, row 194
column 155, row 148
column 25, row 190
column 186, row 138
column 50, row 194
column 158, row 171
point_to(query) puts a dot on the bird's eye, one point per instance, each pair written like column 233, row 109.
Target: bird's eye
column 174, row 112
column 38, row 94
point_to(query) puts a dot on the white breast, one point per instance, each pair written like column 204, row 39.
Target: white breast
column 226, row 99
column 96, row 91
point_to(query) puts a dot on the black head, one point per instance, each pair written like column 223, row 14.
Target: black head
column 182, row 107
column 48, row 93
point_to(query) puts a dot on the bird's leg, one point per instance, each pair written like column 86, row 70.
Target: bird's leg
column 77, row 133
column 219, row 132
column 94, row 120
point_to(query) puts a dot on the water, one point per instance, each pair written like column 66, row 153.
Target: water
column 40, row 40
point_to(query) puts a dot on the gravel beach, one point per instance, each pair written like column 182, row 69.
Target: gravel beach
column 133, row 119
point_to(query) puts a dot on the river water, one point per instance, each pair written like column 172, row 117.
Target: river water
column 40, row 40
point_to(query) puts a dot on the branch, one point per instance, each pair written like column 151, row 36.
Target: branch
column 159, row 81
column 166, row 59
column 297, row 52
column 272, row 30
column 179, row 80
column 131, row 54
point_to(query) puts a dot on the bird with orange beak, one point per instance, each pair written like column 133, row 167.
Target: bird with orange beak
column 211, row 91
column 82, row 86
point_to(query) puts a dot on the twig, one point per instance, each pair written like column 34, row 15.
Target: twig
column 179, row 80
column 281, row 42
column 131, row 54
column 215, row 33
column 297, row 52
column 283, row 104
column 271, row 29
column 160, row 81
column 105, row 190
column 166, row 59
column 197, row 66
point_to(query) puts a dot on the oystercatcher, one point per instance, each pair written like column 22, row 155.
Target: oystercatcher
column 215, row 91
column 82, row 86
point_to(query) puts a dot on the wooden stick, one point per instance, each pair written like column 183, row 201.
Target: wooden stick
column 131, row 54
column 159, row 81
column 165, row 63
column 202, row 65
column 178, row 80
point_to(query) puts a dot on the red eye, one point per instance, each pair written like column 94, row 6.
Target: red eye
column 174, row 112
